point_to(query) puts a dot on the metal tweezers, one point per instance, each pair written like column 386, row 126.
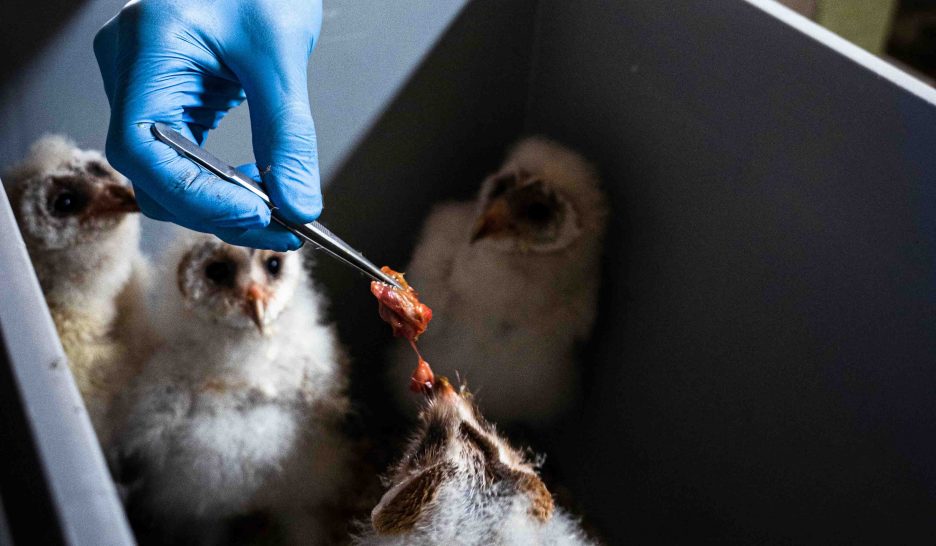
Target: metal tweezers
column 313, row 232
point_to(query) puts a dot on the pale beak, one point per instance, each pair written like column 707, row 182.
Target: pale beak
column 255, row 305
column 443, row 387
column 113, row 199
column 495, row 220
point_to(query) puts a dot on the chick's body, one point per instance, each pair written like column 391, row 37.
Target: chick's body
column 513, row 280
column 101, row 339
column 460, row 482
column 74, row 210
column 240, row 410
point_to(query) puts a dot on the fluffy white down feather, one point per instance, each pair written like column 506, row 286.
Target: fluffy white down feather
column 460, row 481
column 505, row 319
column 224, row 421
column 465, row 516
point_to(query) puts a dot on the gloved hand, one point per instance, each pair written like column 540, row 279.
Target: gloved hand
column 186, row 63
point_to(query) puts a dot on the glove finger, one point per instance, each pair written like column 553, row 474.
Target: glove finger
column 203, row 117
column 261, row 238
column 221, row 93
column 211, row 101
column 162, row 76
column 274, row 237
column 251, row 170
column 176, row 183
column 199, row 133
column 150, row 208
column 284, row 138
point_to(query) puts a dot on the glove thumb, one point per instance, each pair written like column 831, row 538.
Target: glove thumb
column 284, row 137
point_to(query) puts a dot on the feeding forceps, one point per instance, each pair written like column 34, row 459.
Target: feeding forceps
column 312, row 232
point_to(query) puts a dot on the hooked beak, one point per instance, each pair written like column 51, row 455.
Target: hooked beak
column 255, row 305
column 495, row 220
column 114, row 199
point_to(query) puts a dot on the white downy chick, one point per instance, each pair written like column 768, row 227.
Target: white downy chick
column 512, row 280
column 459, row 482
column 74, row 212
column 239, row 411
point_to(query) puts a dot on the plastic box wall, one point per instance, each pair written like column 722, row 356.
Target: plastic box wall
column 762, row 371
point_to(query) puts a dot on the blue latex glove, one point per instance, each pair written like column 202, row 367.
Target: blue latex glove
column 186, row 63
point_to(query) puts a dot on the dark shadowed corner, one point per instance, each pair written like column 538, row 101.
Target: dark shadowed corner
column 27, row 28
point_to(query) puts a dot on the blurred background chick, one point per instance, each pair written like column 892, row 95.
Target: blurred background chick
column 512, row 279
column 75, row 213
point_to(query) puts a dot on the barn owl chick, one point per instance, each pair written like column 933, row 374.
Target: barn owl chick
column 239, row 411
column 460, row 482
column 512, row 279
column 74, row 212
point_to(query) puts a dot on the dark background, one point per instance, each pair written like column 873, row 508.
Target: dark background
column 762, row 371
column 913, row 35
column 27, row 27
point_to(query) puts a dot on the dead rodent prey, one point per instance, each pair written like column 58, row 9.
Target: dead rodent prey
column 409, row 318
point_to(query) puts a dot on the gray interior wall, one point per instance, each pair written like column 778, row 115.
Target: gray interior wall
column 763, row 369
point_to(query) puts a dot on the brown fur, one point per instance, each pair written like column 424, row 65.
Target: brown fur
column 425, row 466
column 404, row 509
column 541, row 501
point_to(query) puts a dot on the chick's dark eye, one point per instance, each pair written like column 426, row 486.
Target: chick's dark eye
column 221, row 273
column 69, row 201
column 273, row 265
column 538, row 212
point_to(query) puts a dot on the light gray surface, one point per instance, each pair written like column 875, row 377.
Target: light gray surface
column 366, row 52
column 89, row 511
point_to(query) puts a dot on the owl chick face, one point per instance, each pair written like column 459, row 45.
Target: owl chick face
column 456, row 448
column 237, row 287
column 65, row 197
column 520, row 211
